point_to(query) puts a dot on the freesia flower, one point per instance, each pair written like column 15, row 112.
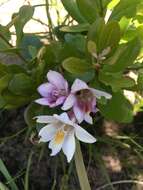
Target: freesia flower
column 83, row 100
column 53, row 92
column 61, row 132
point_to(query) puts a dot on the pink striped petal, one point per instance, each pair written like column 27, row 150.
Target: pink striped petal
column 79, row 113
column 45, row 89
column 43, row 101
column 57, row 79
column 78, row 85
column 69, row 102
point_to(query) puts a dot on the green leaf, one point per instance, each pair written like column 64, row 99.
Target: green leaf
column 72, row 8
column 104, row 35
column 126, row 8
column 14, row 69
column 7, row 176
column 5, row 36
column 25, row 14
column 110, row 35
column 118, row 109
column 13, row 101
column 78, row 41
column 87, row 77
column 88, row 9
column 95, row 30
column 21, row 84
column 33, row 51
column 3, row 187
column 5, row 32
column 3, row 69
column 76, row 28
column 76, row 66
column 4, row 81
column 116, row 80
column 124, row 56
column 2, row 102
column 140, row 80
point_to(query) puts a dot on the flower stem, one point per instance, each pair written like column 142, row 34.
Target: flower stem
column 80, row 168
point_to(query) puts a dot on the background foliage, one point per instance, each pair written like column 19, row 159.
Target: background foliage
column 99, row 41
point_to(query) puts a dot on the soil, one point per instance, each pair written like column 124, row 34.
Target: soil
column 105, row 164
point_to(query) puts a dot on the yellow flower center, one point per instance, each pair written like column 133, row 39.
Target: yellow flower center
column 59, row 136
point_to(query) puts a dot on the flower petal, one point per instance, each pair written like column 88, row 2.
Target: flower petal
column 99, row 93
column 69, row 102
column 88, row 118
column 57, row 79
column 43, row 101
column 78, row 85
column 47, row 133
column 69, row 146
column 60, row 100
column 83, row 135
column 64, row 118
column 55, row 147
column 79, row 114
column 44, row 119
column 45, row 89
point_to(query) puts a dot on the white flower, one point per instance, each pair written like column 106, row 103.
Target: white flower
column 61, row 132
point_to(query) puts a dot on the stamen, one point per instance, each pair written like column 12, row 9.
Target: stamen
column 59, row 136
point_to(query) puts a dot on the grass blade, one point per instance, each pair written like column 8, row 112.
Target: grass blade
column 7, row 176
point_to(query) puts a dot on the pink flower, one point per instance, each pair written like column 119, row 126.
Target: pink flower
column 53, row 92
column 83, row 100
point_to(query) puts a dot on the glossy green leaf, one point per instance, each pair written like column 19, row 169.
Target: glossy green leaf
column 140, row 80
column 117, row 109
column 13, row 101
column 95, row 31
column 72, row 8
column 5, row 36
column 104, row 35
column 126, row 8
column 23, row 16
column 14, row 69
column 110, row 35
column 76, row 65
column 78, row 41
column 88, row 9
column 124, row 56
column 21, row 84
column 116, row 80
column 4, row 81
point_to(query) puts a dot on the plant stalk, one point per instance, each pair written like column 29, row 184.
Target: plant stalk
column 80, row 168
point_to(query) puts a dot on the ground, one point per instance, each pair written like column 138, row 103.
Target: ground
column 105, row 164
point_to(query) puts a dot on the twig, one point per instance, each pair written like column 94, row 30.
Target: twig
column 39, row 5
column 49, row 20
column 38, row 20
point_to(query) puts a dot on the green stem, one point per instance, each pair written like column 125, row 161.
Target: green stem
column 80, row 168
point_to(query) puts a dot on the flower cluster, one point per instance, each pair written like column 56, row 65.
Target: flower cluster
column 79, row 102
